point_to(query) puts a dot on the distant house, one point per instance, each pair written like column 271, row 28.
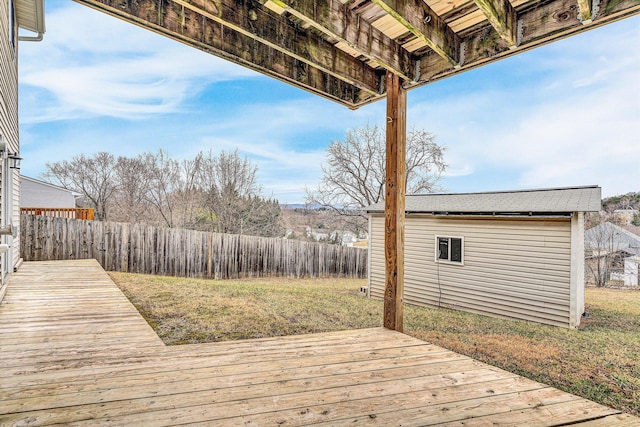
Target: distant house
column 511, row 254
column 39, row 194
column 613, row 254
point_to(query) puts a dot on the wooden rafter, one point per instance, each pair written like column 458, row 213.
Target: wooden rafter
column 424, row 23
column 502, row 16
column 252, row 21
column 341, row 23
column 186, row 25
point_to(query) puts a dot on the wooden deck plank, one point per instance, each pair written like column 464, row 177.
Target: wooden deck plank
column 74, row 351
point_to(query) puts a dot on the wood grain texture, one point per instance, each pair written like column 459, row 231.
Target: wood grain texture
column 395, row 202
column 74, row 351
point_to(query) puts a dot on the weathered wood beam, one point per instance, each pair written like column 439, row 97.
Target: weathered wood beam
column 167, row 18
column 339, row 22
column 395, row 202
column 540, row 25
column 251, row 20
column 424, row 23
column 502, row 17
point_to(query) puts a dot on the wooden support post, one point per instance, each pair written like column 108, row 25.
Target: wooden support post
column 395, row 202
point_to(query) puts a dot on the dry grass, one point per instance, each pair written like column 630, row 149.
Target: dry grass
column 190, row 310
column 600, row 361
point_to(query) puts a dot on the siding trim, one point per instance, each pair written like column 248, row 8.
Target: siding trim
column 577, row 270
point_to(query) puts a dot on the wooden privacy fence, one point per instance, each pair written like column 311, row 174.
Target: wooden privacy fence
column 77, row 213
column 146, row 249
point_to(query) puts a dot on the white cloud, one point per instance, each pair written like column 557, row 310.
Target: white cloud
column 84, row 70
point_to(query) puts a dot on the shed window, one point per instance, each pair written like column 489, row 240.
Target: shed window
column 449, row 249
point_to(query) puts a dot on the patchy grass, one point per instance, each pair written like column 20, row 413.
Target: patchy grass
column 190, row 310
column 599, row 361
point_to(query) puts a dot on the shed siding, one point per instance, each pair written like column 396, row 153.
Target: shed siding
column 9, row 131
column 512, row 268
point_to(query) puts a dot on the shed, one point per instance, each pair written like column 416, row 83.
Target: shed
column 510, row 254
column 40, row 194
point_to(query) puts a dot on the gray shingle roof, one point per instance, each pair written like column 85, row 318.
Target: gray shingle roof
column 543, row 201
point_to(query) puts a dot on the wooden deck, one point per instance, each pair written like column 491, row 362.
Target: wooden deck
column 74, row 351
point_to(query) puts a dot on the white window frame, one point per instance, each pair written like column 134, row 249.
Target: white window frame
column 448, row 261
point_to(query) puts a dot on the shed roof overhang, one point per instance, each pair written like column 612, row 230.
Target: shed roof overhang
column 341, row 49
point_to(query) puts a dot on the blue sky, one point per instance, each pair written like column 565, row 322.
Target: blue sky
column 564, row 114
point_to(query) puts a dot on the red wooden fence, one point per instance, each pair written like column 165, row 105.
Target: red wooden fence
column 74, row 213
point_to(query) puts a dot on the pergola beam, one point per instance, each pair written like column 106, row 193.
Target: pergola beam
column 169, row 19
column 278, row 33
column 502, row 17
column 540, row 25
column 395, row 183
column 424, row 23
column 341, row 23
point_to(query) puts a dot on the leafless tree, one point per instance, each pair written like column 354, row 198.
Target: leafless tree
column 131, row 203
column 231, row 197
column 227, row 181
column 188, row 198
column 163, row 175
column 93, row 177
column 604, row 251
column 354, row 175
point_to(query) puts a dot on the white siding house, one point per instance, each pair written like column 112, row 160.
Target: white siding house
column 517, row 254
column 613, row 253
column 39, row 194
column 14, row 14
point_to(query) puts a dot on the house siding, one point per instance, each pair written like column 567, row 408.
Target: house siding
column 512, row 268
column 9, row 132
column 35, row 194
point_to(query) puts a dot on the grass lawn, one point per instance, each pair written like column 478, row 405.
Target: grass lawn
column 599, row 361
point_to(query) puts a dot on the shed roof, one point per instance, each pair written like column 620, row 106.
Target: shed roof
column 528, row 202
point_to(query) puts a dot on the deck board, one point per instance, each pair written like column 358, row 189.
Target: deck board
column 74, row 351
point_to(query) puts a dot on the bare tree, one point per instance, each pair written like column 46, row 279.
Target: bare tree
column 605, row 248
column 354, row 175
column 93, row 177
column 131, row 203
column 163, row 176
column 188, row 198
column 232, row 196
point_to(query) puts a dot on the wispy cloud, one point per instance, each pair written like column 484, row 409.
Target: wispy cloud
column 84, row 70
